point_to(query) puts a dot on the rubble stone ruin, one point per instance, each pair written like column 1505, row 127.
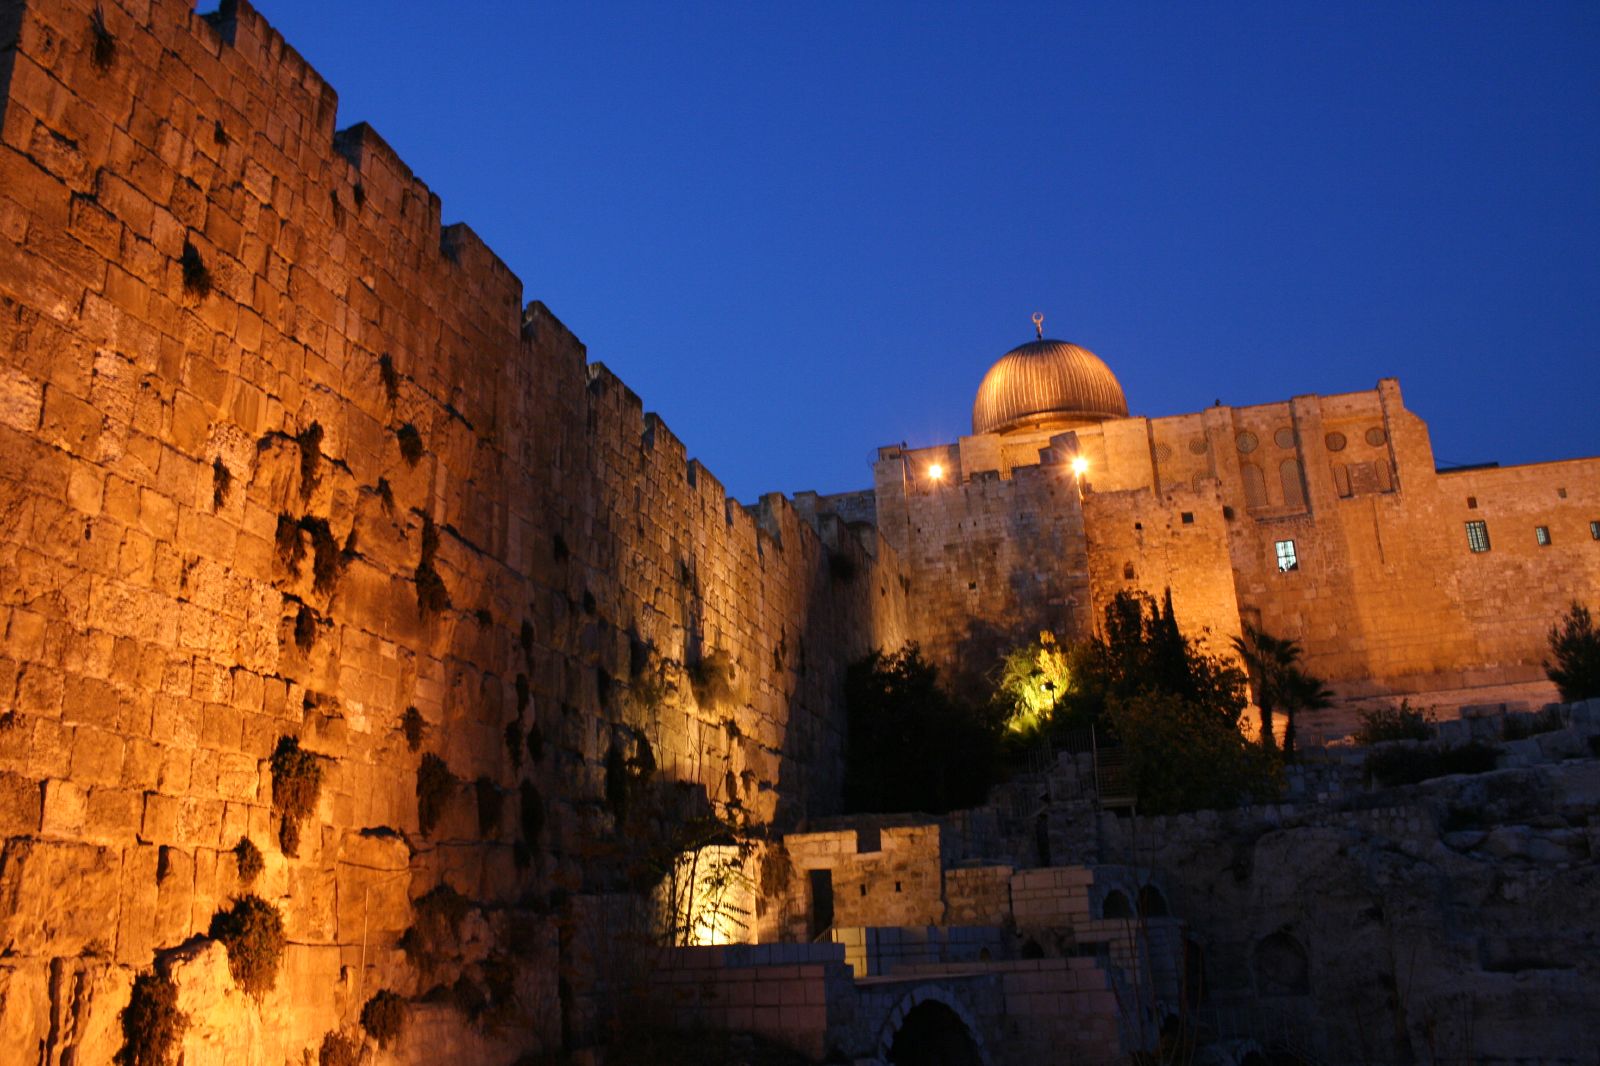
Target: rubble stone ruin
column 380, row 682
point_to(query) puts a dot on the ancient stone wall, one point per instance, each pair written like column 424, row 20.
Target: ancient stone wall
column 281, row 456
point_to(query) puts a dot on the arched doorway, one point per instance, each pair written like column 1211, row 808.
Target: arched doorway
column 934, row 1035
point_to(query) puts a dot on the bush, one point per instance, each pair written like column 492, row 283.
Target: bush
column 384, row 1016
column 339, row 1050
column 1575, row 645
column 413, row 727
column 490, row 802
column 711, row 680
column 152, row 1024
column 435, row 784
column 1389, row 767
column 249, row 859
column 1393, row 723
column 1522, row 726
column 435, row 927
column 252, row 931
column 296, row 784
column 410, row 443
column 909, row 746
column 1184, row 755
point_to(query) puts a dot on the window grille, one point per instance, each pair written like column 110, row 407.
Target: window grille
column 1287, row 559
column 1478, row 536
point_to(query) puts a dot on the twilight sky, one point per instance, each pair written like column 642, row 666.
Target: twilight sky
column 801, row 231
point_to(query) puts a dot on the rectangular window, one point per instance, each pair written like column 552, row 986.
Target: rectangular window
column 1594, row 530
column 1478, row 536
column 1472, row 503
column 1542, row 535
column 1188, row 518
column 1287, row 560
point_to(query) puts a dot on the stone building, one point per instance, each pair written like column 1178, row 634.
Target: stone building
column 1323, row 519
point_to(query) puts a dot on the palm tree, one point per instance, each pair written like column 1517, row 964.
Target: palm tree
column 1280, row 682
column 1266, row 657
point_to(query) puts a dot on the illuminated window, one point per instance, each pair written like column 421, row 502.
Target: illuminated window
column 1478, row 536
column 1287, row 559
column 1542, row 535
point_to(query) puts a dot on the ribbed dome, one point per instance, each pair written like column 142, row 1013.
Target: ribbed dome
column 1046, row 381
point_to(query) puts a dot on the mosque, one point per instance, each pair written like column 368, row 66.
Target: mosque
column 1323, row 519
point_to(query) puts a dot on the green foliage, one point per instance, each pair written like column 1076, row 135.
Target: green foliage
column 1575, row 647
column 909, row 746
column 152, row 1024
column 384, row 1016
column 1404, row 722
column 252, row 932
column 339, row 1050
column 435, row 784
column 248, row 857
column 296, row 784
column 413, row 727
column 1175, row 710
column 1032, row 679
column 1389, row 767
column 1184, row 755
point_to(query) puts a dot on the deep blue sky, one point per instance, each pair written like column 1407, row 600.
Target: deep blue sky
column 800, row 231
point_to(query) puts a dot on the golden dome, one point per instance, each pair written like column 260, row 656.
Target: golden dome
column 1047, row 382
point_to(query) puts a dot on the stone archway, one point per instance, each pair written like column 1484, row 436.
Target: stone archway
column 929, row 1027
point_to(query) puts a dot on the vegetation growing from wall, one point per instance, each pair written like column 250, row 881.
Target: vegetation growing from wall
column 249, row 860
column 296, row 784
column 252, row 932
column 435, row 785
column 435, row 928
column 152, row 1024
column 412, row 727
column 339, row 1050
column 1575, row 651
column 910, row 746
column 384, row 1016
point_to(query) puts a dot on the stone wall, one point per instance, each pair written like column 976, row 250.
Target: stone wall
column 281, row 455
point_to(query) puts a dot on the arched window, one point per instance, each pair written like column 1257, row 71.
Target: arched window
column 1152, row 904
column 1116, row 906
column 1282, row 966
column 1255, row 485
column 1294, row 488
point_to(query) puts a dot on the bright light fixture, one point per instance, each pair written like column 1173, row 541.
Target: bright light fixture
column 1079, row 465
column 936, row 471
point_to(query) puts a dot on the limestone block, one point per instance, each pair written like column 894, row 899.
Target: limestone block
column 54, row 896
column 66, row 808
column 20, row 804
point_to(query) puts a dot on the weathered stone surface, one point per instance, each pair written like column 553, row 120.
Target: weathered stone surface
column 55, row 896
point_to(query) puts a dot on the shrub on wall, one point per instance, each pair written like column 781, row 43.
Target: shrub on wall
column 435, row 784
column 412, row 727
column 296, row 784
column 435, row 927
column 152, row 1024
column 339, row 1050
column 252, row 932
column 248, row 857
column 384, row 1016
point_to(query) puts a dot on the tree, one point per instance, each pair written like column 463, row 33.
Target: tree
column 1280, row 682
column 1575, row 646
column 1032, row 679
column 1175, row 710
column 909, row 746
